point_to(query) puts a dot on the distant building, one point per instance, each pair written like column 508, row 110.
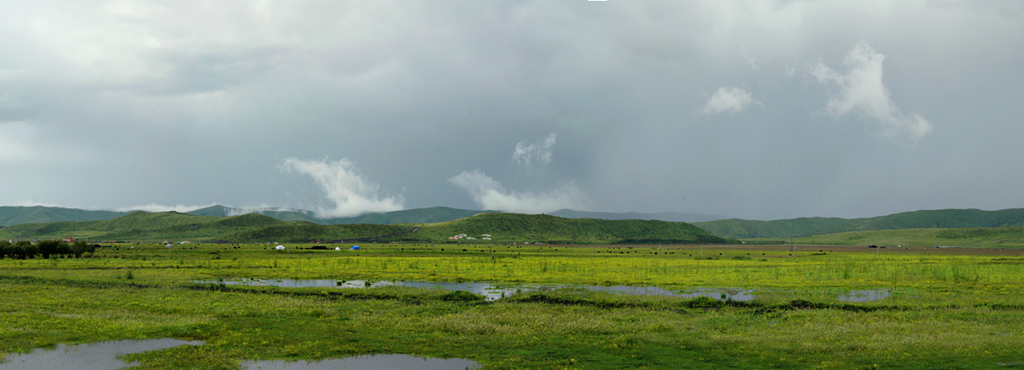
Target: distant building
column 70, row 240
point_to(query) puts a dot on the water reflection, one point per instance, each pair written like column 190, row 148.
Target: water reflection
column 719, row 294
column 92, row 356
column 865, row 295
column 493, row 292
column 375, row 362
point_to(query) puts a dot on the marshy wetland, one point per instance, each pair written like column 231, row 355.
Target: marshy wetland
column 585, row 307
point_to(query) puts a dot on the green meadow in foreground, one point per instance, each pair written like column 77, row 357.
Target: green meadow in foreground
column 952, row 309
column 988, row 237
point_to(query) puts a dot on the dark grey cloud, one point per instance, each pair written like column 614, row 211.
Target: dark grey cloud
column 111, row 104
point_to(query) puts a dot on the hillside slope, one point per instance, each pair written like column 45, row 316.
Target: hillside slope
column 511, row 227
column 41, row 214
column 799, row 227
column 505, row 228
column 663, row 216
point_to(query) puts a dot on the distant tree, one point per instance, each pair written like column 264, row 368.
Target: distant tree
column 80, row 247
column 63, row 249
column 47, row 248
column 25, row 250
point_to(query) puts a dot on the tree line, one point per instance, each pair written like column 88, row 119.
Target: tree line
column 45, row 249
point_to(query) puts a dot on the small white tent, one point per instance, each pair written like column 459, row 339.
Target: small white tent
column 280, row 247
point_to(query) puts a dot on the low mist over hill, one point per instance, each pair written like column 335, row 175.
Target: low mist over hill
column 663, row 216
column 419, row 215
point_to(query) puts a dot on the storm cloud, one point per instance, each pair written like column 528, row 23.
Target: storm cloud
column 761, row 110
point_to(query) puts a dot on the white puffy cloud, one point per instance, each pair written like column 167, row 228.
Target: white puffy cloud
column 341, row 183
column 491, row 195
column 528, row 154
column 861, row 90
column 728, row 100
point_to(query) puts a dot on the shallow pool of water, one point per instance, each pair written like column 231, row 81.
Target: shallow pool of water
column 374, row 362
column 92, row 356
column 719, row 294
column 865, row 295
column 491, row 291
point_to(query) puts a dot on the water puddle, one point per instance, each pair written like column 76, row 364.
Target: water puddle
column 492, row 292
column 375, row 362
column 92, row 356
column 865, row 295
column 742, row 295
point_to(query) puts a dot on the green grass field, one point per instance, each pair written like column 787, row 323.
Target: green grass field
column 953, row 309
column 810, row 226
column 992, row 237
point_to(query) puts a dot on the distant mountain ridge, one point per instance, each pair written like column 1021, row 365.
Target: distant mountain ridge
column 483, row 228
column 10, row 216
column 801, row 227
column 17, row 215
column 663, row 216
column 729, row 228
column 408, row 216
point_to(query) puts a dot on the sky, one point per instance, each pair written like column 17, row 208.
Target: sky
column 749, row 109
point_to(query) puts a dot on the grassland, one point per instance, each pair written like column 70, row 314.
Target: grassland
column 810, row 226
column 989, row 237
column 948, row 309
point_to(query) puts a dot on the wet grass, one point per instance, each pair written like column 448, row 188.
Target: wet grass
column 947, row 310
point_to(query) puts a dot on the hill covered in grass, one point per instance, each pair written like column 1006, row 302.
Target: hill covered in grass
column 512, row 227
column 10, row 216
column 663, row 216
column 42, row 214
column 503, row 228
column 174, row 226
column 800, row 227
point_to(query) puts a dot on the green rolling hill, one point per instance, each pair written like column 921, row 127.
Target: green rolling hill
column 512, row 227
column 10, row 216
column 408, row 216
column 801, row 227
column 505, row 228
column 41, row 214
column 663, row 216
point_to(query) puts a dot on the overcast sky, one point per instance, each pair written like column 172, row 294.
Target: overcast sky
column 750, row 109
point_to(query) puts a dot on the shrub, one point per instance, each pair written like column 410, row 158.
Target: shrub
column 462, row 296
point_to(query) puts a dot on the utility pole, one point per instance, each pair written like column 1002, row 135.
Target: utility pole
column 791, row 243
